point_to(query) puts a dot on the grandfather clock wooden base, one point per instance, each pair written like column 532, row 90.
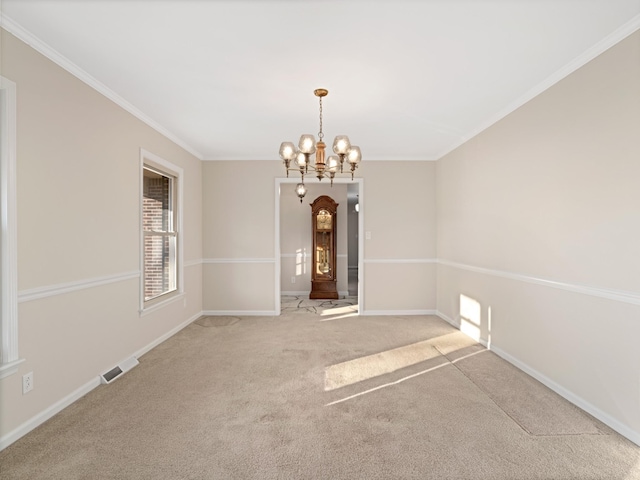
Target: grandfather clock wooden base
column 323, row 232
column 323, row 289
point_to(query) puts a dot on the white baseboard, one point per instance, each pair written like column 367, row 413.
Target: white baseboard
column 447, row 319
column 580, row 402
column 247, row 313
column 300, row 293
column 398, row 312
column 80, row 392
column 167, row 335
column 46, row 414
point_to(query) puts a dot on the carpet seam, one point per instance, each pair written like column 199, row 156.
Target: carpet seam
column 483, row 391
column 453, row 362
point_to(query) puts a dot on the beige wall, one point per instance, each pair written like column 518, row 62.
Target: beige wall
column 238, row 237
column 400, row 213
column 538, row 222
column 78, row 197
column 398, row 208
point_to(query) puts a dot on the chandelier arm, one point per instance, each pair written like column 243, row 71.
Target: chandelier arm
column 310, row 168
column 308, row 146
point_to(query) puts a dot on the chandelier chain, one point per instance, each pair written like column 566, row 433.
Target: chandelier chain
column 320, row 134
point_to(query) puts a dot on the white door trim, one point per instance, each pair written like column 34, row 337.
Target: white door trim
column 290, row 181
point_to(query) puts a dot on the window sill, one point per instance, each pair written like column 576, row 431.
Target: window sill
column 7, row 369
column 158, row 305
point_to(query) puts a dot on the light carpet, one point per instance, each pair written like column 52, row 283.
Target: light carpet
column 313, row 396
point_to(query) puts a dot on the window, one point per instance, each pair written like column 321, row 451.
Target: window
column 160, row 230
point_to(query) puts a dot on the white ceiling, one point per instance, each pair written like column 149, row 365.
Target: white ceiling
column 408, row 79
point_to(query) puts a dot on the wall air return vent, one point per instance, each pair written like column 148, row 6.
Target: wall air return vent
column 118, row 370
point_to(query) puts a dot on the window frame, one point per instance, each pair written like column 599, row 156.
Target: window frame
column 9, row 357
column 156, row 164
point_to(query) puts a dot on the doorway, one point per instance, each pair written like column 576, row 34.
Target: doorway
column 289, row 255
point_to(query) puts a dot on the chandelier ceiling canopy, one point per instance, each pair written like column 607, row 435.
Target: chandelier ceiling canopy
column 299, row 159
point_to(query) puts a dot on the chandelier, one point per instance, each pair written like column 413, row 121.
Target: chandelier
column 307, row 146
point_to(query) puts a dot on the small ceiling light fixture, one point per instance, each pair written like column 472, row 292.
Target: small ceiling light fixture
column 307, row 146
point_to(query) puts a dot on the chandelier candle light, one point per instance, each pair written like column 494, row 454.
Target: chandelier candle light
column 307, row 146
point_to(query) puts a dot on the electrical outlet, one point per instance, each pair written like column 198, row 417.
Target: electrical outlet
column 27, row 382
column 293, row 279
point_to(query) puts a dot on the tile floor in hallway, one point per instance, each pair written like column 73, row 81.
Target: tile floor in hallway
column 302, row 304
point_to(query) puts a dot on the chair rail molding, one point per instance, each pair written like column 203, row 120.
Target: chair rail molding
column 609, row 294
column 68, row 287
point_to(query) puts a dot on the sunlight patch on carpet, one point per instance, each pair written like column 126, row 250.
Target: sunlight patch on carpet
column 349, row 309
column 404, row 379
column 364, row 368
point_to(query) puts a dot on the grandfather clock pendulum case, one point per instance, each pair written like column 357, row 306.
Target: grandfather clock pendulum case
column 323, row 230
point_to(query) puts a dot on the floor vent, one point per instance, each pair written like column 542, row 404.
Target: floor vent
column 118, row 370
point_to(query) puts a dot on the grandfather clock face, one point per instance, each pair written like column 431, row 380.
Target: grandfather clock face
column 324, row 220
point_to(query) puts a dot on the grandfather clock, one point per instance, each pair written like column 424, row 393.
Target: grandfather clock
column 323, row 231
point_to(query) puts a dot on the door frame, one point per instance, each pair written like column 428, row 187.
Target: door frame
column 279, row 182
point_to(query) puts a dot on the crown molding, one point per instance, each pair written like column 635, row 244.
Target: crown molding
column 34, row 42
column 607, row 42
